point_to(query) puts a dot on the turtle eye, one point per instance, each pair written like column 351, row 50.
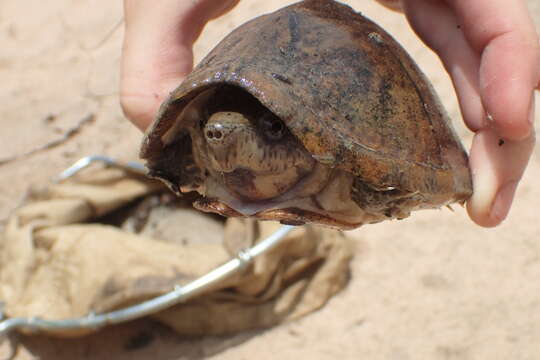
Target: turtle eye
column 273, row 128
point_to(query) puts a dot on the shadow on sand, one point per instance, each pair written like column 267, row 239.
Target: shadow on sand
column 137, row 340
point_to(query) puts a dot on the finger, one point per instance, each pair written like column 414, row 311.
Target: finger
column 507, row 84
column 212, row 9
column 436, row 23
column 497, row 166
column 496, row 169
column 391, row 4
column 152, row 52
column 503, row 33
column 157, row 52
column 198, row 13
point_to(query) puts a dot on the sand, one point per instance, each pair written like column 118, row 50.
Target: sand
column 434, row 286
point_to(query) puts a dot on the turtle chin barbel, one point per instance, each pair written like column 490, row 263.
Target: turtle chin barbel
column 310, row 114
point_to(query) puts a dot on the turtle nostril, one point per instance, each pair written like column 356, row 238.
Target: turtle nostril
column 214, row 134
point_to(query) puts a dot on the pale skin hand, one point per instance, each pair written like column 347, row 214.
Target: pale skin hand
column 489, row 47
column 157, row 52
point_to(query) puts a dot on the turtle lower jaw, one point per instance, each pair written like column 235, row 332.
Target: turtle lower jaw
column 251, row 185
column 324, row 199
column 287, row 216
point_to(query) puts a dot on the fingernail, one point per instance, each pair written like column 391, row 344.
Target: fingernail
column 485, row 180
column 503, row 201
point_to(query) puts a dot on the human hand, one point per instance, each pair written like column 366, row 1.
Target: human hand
column 491, row 51
column 158, row 50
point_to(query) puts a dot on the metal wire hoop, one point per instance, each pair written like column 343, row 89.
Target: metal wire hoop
column 179, row 294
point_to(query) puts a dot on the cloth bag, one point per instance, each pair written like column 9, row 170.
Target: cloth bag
column 107, row 239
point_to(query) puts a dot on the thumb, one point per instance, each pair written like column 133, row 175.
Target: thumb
column 158, row 50
column 391, row 4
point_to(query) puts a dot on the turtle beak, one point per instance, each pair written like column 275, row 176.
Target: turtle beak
column 223, row 128
column 225, row 133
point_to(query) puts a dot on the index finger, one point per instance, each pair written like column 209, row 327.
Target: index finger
column 503, row 33
column 391, row 4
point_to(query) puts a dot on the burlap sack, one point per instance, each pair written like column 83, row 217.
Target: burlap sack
column 108, row 239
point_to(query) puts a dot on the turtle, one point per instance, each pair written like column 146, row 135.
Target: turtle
column 310, row 114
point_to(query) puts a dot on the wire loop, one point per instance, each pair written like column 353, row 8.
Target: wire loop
column 179, row 294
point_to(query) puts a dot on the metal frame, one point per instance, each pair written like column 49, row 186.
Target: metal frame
column 177, row 295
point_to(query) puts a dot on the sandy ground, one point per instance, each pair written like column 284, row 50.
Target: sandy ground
column 434, row 286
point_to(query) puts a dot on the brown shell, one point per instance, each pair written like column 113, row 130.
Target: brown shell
column 345, row 88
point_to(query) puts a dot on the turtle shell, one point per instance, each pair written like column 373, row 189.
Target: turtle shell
column 345, row 88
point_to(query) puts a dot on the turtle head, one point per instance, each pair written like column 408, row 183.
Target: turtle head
column 254, row 154
column 224, row 129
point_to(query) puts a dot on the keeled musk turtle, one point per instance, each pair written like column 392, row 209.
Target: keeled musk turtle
column 310, row 114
